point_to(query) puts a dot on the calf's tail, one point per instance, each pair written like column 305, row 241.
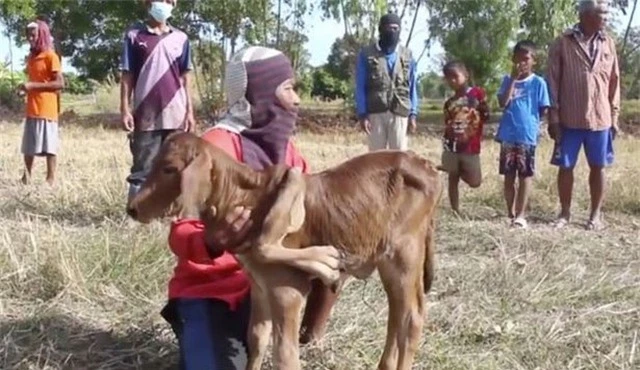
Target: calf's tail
column 429, row 257
column 430, row 248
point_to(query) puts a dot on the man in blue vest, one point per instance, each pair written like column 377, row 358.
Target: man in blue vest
column 386, row 88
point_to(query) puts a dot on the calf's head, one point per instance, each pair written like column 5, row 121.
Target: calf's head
column 179, row 183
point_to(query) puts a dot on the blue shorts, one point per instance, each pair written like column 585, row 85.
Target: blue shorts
column 598, row 148
column 210, row 335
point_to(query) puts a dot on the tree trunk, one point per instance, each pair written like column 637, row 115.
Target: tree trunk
column 196, row 75
column 9, row 36
column 413, row 23
column 57, row 47
column 345, row 18
column 279, row 23
column 427, row 46
column 234, row 42
column 626, row 32
column 265, row 15
column 404, row 8
column 223, row 61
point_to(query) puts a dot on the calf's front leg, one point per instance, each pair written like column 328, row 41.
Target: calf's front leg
column 259, row 327
column 288, row 289
column 286, row 216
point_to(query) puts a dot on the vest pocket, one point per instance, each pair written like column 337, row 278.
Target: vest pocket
column 398, row 104
column 375, row 80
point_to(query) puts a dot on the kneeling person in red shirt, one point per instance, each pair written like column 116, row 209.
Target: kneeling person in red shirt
column 209, row 301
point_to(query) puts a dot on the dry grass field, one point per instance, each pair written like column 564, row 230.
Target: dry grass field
column 81, row 287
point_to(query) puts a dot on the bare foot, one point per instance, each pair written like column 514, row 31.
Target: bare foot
column 51, row 181
column 594, row 223
column 26, row 179
column 456, row 212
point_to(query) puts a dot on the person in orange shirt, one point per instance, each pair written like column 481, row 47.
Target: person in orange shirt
column 209, row 300
column 45, row 80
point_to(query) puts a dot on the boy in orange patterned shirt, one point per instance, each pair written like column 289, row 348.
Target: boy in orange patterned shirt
column 40, row 137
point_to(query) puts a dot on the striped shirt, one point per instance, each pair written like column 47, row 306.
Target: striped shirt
column 584, row 81
column 157, row 63
column 589, row 43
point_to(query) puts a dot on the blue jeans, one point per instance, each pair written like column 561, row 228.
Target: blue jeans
column 210, row 335
column 598, row 147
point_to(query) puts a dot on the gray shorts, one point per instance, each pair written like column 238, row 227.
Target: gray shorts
column 40, row 137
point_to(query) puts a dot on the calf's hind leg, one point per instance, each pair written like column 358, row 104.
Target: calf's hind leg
column 402, row 278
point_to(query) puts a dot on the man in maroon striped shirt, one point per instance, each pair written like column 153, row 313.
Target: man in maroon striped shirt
column 584, row 85
column 155, row 67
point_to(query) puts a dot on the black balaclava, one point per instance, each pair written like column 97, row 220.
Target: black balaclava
column 265, row 143
column 389, row 38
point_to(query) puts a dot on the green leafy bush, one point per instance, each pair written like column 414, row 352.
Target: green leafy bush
column 9, row 81
column 77, row 85
column 327, row 86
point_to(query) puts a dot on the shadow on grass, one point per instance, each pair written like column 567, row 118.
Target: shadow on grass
column 62, row 342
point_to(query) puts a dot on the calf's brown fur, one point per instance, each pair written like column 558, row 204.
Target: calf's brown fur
column 377, row 211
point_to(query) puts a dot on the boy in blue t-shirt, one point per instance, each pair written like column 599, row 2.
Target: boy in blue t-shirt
column 525, row 99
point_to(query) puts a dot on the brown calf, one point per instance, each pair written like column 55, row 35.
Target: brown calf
column 376, row 209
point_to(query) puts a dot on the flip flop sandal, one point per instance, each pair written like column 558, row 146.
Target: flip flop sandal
column 520, row 223
column 594, row 225
column 560, row 223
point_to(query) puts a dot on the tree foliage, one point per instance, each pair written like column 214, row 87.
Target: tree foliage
column 327, row 86
column 630, row 64
column 432, row 86
column 8, row 81
column 542, row 21
column 476, row 32
column 89, row 34
column 480, row 33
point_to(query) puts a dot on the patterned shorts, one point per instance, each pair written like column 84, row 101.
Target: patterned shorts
column 517, row 159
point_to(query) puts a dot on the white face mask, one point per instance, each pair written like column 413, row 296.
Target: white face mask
column 160, row 11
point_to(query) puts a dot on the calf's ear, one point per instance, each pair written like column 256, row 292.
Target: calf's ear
column 195, row 185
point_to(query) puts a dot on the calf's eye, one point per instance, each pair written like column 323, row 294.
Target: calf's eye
column 169, row 170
